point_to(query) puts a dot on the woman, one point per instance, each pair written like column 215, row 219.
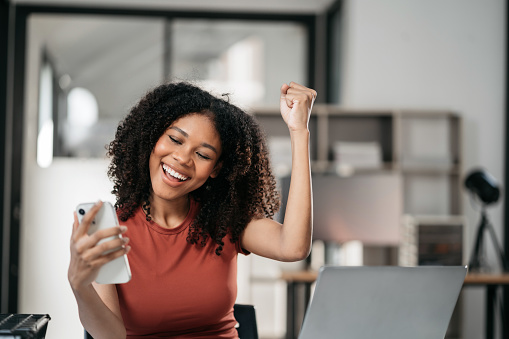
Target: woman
column 193, row 184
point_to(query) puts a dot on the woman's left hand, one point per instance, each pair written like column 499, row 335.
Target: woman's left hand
column 296, row 104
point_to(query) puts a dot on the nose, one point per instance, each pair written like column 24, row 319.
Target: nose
column 183, row 157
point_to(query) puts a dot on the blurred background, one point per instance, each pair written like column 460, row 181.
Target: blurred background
column 412, row 95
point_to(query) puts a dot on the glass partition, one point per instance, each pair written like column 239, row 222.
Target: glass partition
column 248, row 59
column 101, row 65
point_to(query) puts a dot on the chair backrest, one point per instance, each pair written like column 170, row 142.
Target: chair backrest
column 245, row 316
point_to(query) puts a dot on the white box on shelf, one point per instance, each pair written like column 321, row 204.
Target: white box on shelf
column 358, row 154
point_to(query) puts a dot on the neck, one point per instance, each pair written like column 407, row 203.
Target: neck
column 169, row 214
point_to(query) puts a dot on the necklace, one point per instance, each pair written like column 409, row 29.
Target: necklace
column 145, row 206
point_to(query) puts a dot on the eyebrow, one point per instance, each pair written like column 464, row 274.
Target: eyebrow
column 184, row 133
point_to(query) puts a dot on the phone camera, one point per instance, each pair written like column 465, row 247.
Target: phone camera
column 81, row 211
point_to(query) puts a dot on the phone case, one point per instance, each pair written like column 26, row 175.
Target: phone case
column 116, row 271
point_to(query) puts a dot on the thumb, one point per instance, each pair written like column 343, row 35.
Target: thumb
column 76, row 222
column 283, row 99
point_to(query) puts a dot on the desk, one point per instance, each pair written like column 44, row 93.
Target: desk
column 293, row 280
column 492, row 282
column 307, row 278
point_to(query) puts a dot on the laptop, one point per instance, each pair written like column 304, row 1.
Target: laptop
column 383, row 302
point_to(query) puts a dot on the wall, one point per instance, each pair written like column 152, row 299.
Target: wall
column 435, row 54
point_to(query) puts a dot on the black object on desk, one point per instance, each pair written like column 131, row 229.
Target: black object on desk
column 24, row 326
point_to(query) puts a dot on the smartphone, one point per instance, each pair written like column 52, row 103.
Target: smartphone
column 116, row 271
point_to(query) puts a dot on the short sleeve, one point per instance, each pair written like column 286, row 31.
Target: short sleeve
column 239, row 248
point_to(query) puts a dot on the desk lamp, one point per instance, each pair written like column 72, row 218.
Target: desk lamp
column 486, row 191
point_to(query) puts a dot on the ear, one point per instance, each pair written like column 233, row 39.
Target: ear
column 216, row 170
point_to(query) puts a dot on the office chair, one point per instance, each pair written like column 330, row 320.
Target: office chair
column 245, row 316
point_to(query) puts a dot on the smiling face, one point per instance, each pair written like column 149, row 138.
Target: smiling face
column 184, row 157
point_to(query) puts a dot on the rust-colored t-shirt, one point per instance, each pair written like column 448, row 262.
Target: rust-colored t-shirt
column 177, row 290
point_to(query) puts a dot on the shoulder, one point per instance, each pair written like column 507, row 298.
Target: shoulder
column 125, row 217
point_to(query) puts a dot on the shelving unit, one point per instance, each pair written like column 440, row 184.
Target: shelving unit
column 423, row 147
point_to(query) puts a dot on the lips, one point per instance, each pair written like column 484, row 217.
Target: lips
column 171, row 172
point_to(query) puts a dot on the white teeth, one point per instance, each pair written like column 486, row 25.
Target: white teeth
column 173, row 173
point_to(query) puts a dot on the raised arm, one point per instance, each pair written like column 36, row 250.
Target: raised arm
column 290, row 241
column 98, row 306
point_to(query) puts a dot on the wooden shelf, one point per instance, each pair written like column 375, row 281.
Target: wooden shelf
column 431, row 170
column 418, row 144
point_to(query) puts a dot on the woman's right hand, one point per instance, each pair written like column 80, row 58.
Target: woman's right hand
column 87, row 256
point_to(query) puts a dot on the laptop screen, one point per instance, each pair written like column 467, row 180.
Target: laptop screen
column 383, row 302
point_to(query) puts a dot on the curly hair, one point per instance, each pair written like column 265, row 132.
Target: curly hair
column 245, row 188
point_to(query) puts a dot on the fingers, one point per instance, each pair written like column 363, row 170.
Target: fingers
column 92, row 240
column 89, row 253
column 83, row 227
column 100, row 261
column 299, row 90
column 295, row 92
column 298, row 86
column 107, row 249
column 84, row 268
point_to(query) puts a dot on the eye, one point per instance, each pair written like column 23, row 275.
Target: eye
column 175, row 140
column 203, row 156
